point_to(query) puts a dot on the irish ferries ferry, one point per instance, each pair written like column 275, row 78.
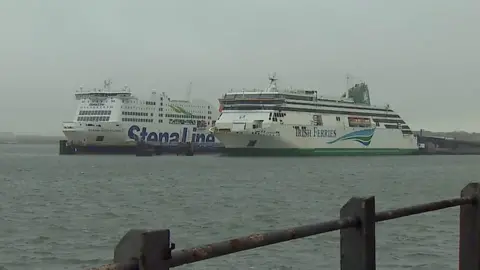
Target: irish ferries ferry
column 113, row 121
column 304, row 123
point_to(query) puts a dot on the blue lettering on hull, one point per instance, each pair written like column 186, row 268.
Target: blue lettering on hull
column 141, row 134
column 315, row 132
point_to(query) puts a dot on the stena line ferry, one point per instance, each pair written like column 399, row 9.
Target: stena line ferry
column 304, row 123
column 113, row 121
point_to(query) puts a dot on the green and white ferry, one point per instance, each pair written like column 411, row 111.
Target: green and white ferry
column 274, row 122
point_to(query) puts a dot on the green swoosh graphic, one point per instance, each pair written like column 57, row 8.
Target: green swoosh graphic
column 362, row 136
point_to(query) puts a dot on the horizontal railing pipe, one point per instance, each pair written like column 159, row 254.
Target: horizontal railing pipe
column 118, row 266
column 252, row 241
column 152, row 250
column 421, row 208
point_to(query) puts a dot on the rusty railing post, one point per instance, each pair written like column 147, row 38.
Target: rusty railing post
column 156, row 250
column 469, row 257
column 127, row 251
column 144, row 250
column 357, row 244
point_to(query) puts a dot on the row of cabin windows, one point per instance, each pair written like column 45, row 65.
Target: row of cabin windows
column 184, row 116
column 94, row 118
column 398, row 125
column 279, row 99
column 317, row 120
column 139, row 120
column 137, row 113
column 192, row 122
column 90, row 101
column 182, row 122
column 161, row 110
column 198, row 123
column 392, row 126
column 278, row 96
column 100, row 112
column 161, row 103
column 138, row 108
column 404, row 128
column 338, row 119
column 267, row 96
column 311, row 110
column 143, row 102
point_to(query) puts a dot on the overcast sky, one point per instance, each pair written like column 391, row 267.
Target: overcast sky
column 421, row 57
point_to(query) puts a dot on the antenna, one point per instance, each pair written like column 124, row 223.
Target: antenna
column 387, row 107
column 107, row 83
column 347, row 78
column 189, row 91
column 273, row 82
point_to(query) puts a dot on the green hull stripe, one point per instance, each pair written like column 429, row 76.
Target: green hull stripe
column 317, row 151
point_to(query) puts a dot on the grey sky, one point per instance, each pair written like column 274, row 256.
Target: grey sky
column 422, row 57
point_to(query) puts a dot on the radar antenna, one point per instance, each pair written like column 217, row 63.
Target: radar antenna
column 273, row 82
column 387, row 108
column 107, row 83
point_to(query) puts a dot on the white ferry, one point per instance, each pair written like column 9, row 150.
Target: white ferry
column 303, row 123
column 113, row 121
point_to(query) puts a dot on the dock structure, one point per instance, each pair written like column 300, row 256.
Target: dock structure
column 432, row 145
column 152, row 250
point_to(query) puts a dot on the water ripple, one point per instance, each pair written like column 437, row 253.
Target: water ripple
column 69, row 212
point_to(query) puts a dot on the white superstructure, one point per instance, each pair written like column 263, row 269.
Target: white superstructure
column 106, row 117
column 302, row 122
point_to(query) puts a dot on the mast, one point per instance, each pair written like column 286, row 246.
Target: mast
column 189, row 91
column 347, row 78
column 106, row 84
column 273, row 83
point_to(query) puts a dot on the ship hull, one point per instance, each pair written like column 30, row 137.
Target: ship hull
column 314, row 141
column 131, row 150
column 120, row 139
column 306, row 152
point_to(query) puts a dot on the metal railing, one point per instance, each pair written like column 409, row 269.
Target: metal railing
column 152, row 250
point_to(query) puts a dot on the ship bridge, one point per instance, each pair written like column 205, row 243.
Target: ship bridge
column 102, row 93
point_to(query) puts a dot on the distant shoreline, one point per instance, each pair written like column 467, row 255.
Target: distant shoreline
column 35, row 139
column 30, row 143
